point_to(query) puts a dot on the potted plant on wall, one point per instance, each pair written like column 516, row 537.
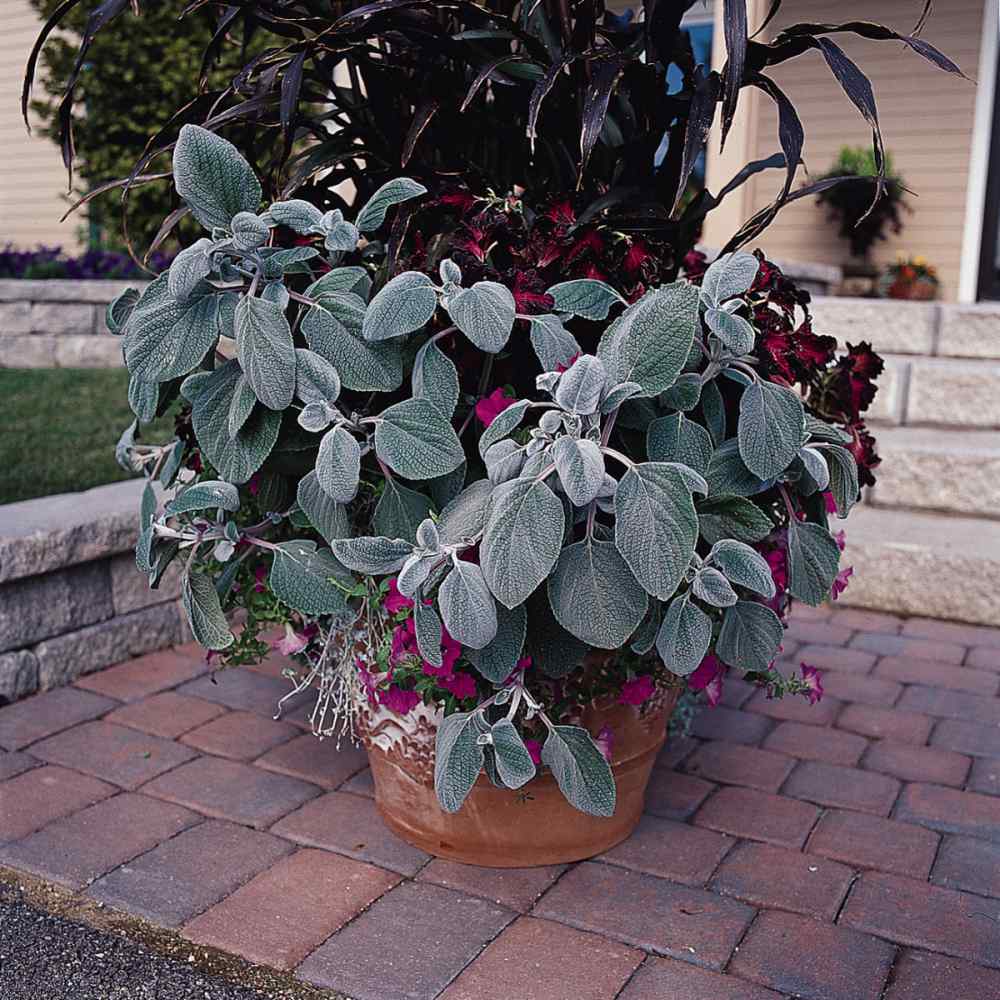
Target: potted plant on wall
column 505, row 481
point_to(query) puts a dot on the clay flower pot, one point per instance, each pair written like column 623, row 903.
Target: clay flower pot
column 498, row 827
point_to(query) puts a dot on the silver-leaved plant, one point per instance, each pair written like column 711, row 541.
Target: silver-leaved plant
column 617, row 508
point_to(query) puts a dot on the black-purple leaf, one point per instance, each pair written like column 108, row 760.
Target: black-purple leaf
column 421, row 119
column 540, row 92
column 735, row 23
column 604, row 75
column 291, row 84
column 701, row 113
column 489, row 71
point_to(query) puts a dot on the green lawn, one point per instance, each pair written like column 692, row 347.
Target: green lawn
column 59, row 429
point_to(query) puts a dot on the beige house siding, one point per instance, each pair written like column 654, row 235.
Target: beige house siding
column 927, row 119
column 32, row 178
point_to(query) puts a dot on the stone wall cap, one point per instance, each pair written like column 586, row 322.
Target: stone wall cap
column 48, row 533
column 65, row 289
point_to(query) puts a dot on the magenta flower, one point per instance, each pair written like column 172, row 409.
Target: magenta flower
column 460, row 685
column 606, row 742
column 398, row 700
column 840, row 584
column 814, row 681
column 260, row 575
column 290, row 643
column 708, row 678
column 368, row 682
column 840, row 537
column 534, row 749
column 490, row 407
column 831, row 504
column 637, row 691
column 394, row 600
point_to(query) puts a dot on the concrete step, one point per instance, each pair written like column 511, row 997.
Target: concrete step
column 940, row 329
column 953, row 471
column 939, row 392
column 934, row 565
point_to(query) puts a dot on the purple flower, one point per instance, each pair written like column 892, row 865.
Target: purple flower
column 814, row 682
column 637, row 691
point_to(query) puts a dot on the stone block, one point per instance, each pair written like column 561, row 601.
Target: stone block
column 15, row 317
column 922, row 564
column 38, row 607
column 61, row 318
column 892, row 327
column 88, row 351
column 27, row 351
column 954, row 393
column 97, row 290
column 969, row 331
column 890, row 401
column 45, row 534
column 936, row 469
column 130, row 588
column 18, row 675
column 66, row 657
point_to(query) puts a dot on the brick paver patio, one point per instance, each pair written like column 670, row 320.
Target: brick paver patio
column 843, row 852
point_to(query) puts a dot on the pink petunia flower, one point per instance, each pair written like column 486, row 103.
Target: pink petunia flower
column 490, row 407
column 840, row 584
column 606, row 742
column 637, row 691
column 814, row 680
column 534, row 748
column 291, row 642
column 708, row 678
column 460, row 685
column 394, row 600
column 398, row 700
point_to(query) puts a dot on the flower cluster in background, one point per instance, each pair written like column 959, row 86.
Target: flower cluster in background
column 910, row 278
column 52, row 262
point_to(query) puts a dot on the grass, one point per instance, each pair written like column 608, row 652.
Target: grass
column 60, row 427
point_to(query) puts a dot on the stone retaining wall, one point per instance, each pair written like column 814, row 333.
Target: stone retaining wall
column 71, row 599
column 58, row 323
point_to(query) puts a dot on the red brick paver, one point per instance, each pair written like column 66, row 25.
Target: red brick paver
column 34, row 798
column 777, row 878
column 537, row 960
column 865, row 841
column 666, row 979
column 515, row 888
column 411, row 943
column 287, row 911
column 924, row 916
column 774, row 819
column 229, row 790
column 321, row 763
column 33, row 719
column 187, row 874
column 167, row 714
column 921, row 975
column 240, row 735
column 844, row 787
column 795, row 955
column 144, row 675
column 77, row 849
column 950, row 811
column 648, row 913
column 738, row 765
column 786, row 850
column 816, row 743
column 125, row 756
column 351, row 825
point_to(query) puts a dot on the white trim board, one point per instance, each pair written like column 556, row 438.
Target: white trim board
column 979, row 154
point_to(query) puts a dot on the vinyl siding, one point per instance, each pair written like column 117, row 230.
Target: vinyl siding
column 32, row 178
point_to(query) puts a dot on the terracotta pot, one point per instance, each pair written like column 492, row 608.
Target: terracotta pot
column 498, row 827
